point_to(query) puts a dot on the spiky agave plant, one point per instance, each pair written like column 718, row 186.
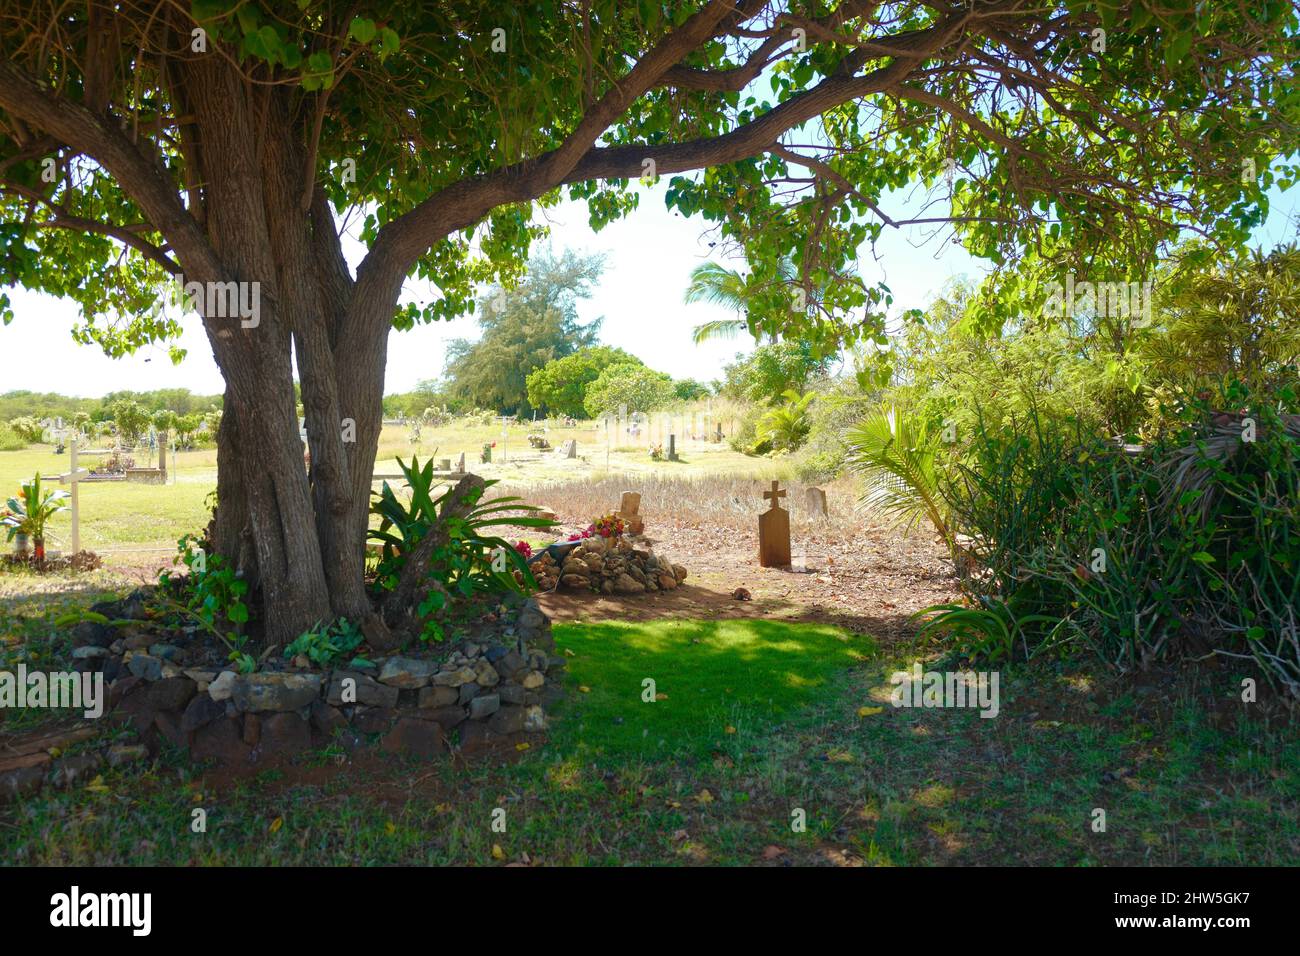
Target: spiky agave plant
column 898, row 459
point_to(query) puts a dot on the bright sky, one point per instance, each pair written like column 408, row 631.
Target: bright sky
column 649, row 256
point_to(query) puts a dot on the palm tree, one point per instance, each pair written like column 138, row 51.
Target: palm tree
column 718, row 285
column 898, row 459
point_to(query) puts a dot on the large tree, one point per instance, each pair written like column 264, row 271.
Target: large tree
column 522, row 330
column 230, row 141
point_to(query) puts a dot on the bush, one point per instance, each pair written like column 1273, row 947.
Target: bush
column 28, row 429
column 10, row 440
column 1187, row 546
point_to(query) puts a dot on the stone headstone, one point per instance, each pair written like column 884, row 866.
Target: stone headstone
column 672, row 447
column 774, row 532
column 816, row 500
column 629, row 509
column 444, row 464
column 460, row 464
column 569, row 449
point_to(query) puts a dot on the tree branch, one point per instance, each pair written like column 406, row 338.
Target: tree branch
column 139, row 176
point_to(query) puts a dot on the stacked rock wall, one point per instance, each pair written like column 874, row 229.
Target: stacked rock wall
column 494, row 687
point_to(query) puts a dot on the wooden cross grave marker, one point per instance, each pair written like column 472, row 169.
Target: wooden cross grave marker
column 774, row 532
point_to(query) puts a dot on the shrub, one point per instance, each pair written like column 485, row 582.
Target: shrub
column 786, row 426
column 1187, row 546
column 28, row 429
column 10, row 440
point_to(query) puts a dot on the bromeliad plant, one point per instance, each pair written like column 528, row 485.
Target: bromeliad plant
column 471, row 560
column 30, row 510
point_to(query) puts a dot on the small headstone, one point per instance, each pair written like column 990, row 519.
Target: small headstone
column 672, row 447
column 444, row 464
column 816, row 499
column 629, row 509
column 460, row 464
column 774, row 532
column 569, row 449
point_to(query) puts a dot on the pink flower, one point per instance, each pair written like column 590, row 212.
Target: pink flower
column 524, row 548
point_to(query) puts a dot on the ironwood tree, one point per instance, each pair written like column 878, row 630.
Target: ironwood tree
column 230, row 143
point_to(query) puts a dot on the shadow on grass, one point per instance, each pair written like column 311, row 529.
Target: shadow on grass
column 711, row 680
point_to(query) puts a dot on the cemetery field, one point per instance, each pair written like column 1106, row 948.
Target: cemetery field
column 134, row 524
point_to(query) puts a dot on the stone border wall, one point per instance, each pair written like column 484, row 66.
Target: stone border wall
column 492, row 689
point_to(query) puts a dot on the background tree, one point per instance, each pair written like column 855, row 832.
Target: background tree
column 219, row 141
column 131, row 420
column 690, row 389
column 771, row 370
column 629, row 385
column 523, row 329
column 560, row 386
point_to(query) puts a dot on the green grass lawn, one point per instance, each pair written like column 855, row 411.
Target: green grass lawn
column 1184, row 778
column 712, row 680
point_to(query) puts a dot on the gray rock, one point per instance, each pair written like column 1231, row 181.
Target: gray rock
column 438, row 696
column 21, row 781
column 480, row 708
column 454, row 678
column 368, row 690
column 88, row 632
column 275, row 692
column 508, row 720
column 511, row 694
column 168, row 652
column 494, row 653
column 144, row 666
column 407, row 673
column 89, row 652
column 223, row 686
column 171, row 693
column 202, row 710
column 534, row 719
column 468, row 692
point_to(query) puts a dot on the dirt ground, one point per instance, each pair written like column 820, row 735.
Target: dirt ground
column 868, row 579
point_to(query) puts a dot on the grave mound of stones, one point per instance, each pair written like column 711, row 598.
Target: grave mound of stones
column 491, row 688
column 614, row 565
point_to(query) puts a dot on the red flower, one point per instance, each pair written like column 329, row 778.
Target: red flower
column 524, row 548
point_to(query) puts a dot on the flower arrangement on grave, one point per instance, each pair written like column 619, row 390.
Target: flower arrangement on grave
column 485, row 456
column 29, row 511
column 608, row 526
column 657, row 452
column 579, row 535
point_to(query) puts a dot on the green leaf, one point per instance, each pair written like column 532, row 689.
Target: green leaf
column 362, row 30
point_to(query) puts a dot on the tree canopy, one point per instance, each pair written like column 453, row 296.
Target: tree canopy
column 560, row 386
